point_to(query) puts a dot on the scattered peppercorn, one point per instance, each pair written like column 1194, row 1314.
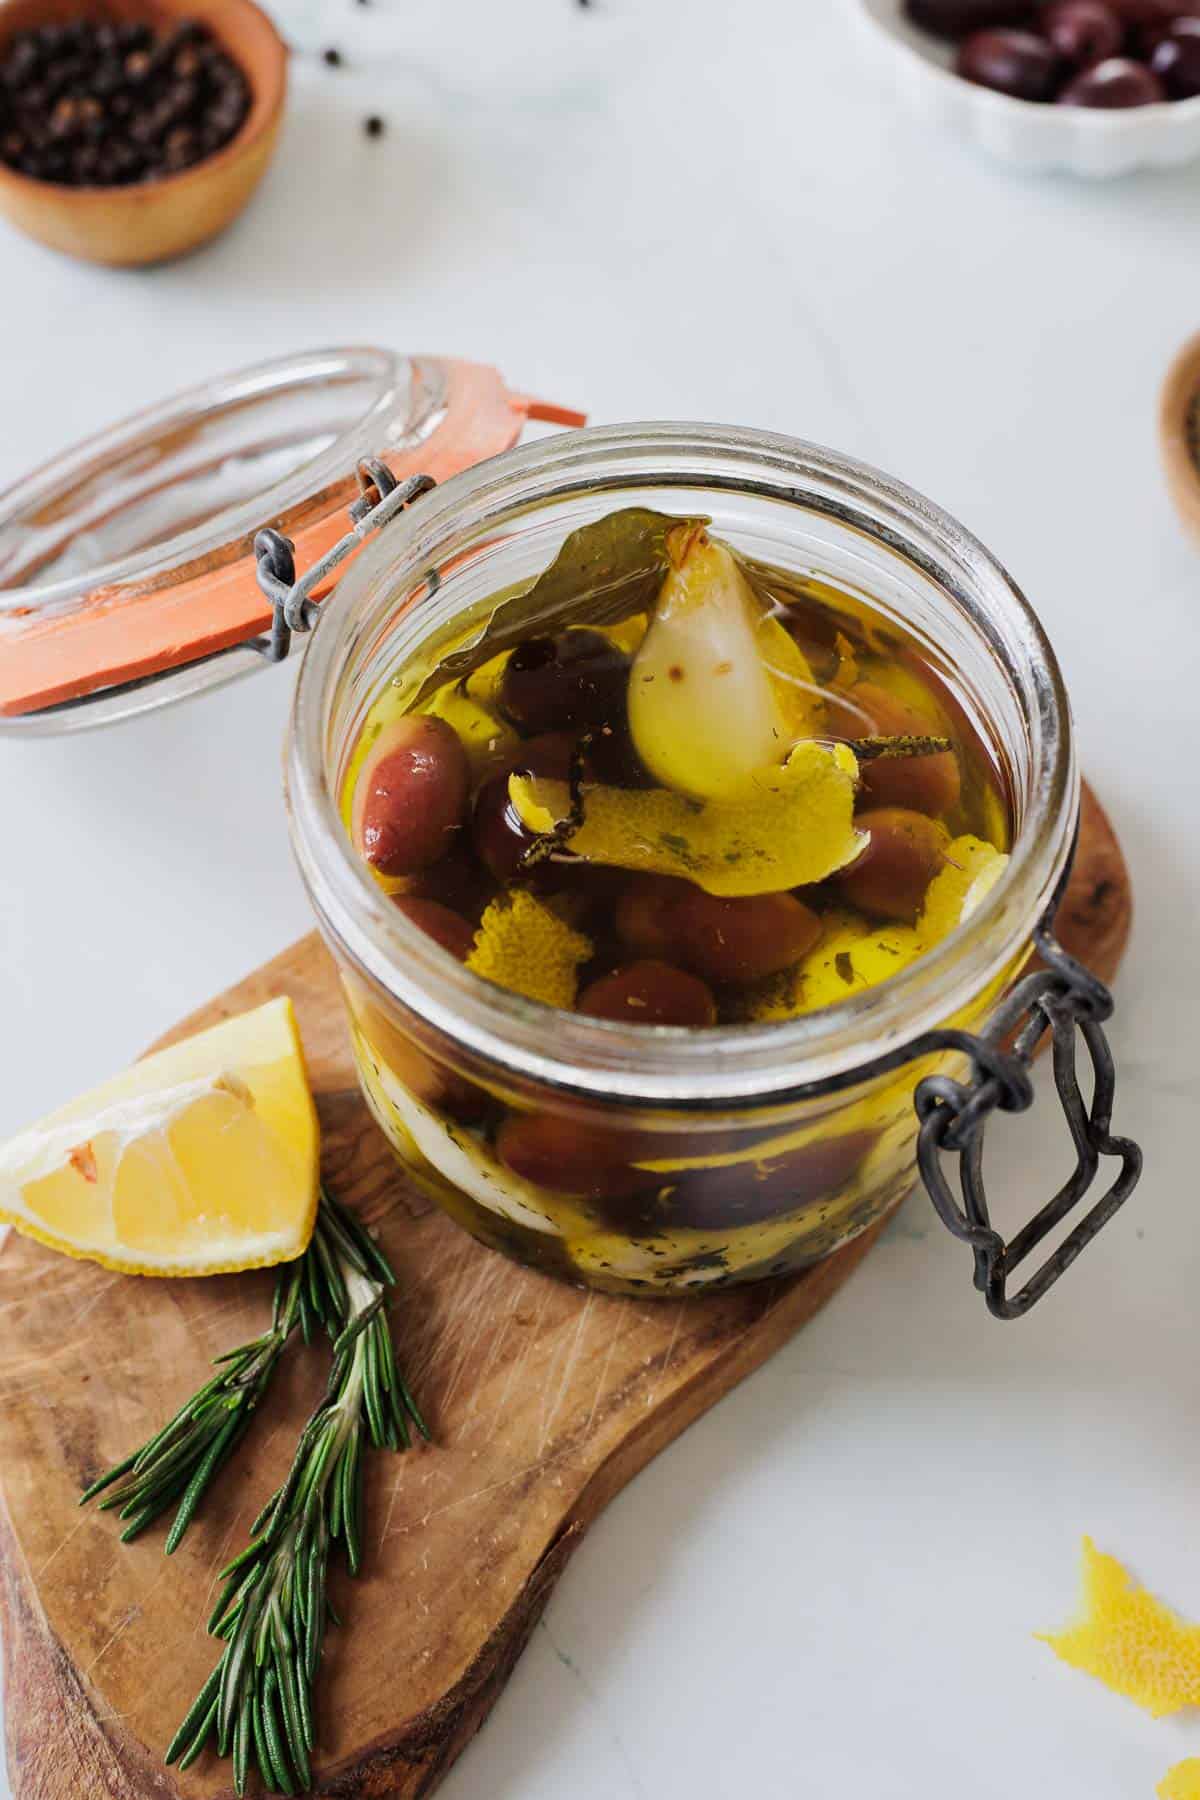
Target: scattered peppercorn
column 101, row 103
column 373, row 126
column 333, row 57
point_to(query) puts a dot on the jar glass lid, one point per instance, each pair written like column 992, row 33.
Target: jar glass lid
column 127, row 570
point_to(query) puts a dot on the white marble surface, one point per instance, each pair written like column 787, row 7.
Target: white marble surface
column 831, row 1584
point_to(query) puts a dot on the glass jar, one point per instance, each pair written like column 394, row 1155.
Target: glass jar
column 676, row 1161
column 128, row 577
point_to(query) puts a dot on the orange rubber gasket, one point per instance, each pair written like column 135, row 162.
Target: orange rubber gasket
column 121, row 637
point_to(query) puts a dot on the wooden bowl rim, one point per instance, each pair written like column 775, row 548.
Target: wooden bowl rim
column 268, row 93
column 1180, row 390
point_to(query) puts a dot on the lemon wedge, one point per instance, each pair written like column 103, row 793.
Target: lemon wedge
column 202, row 1158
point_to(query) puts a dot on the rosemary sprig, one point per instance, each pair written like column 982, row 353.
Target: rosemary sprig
column 182, row 1459
column 273, row 1611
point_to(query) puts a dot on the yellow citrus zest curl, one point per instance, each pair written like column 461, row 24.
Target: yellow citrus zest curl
column 1130, row 1641
column 792, row 826
column 525, row 946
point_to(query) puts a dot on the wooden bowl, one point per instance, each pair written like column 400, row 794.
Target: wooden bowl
column 150, row 221
column 1179, row 428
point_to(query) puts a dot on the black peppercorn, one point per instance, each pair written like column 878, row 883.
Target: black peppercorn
column 373, row 126
column 95, row 103
column 333, row 57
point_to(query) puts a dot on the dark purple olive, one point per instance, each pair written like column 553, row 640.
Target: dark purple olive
column 650, row 993
column 1118, row 81
column 890, row 879
column 743, row 1193
column 739, row 941
column 1156, row 12
column 457, row 881
column 645, row 915
column 611, row 758
column 572, row 681
column 1176, row 61
column 498, row 835
column 1012, row 62
column 447, row 928
column 958, row 18
column 410, row 796
column 1083, row 32
column 569, row 1157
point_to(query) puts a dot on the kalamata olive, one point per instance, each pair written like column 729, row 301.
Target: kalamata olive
column 737, row 941
column 611, row 759
column 594, row 890
column 410, row 796
column 956, row 18
column 890, row 878
column 499, row 837
column 1156, row 12
column 643, row 916
column 1144, row 41
column 724, row 941
column 575, row 679
column 930, row 784
column 449, row 929
column 1176, row 61
column 458, row 880
column 1118, row 81
column 746, row 1194
column 568, row 1157
column 1012, row 62
column 649, row 993
column 1083, row 31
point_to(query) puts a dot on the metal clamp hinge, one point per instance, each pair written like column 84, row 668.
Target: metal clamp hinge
column 293, row 602
column 1062, row 998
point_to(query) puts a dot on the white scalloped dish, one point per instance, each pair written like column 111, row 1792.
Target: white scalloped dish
column 1079, row 139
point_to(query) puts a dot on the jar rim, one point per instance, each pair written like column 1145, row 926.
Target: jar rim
column 727, row 1066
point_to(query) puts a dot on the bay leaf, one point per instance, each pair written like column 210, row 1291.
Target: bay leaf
column 605, row 572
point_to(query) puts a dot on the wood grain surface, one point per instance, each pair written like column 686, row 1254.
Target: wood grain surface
column 544, row 1401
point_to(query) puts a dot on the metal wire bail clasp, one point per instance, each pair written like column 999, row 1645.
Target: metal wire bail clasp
column 380, row 498
column 1062, row 998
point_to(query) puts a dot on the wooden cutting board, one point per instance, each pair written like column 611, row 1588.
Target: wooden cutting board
column 544, row 1402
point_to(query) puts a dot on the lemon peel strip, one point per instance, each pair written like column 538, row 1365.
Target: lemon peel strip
column 523, row 945
column 793, row 826
column 1130, row 1641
